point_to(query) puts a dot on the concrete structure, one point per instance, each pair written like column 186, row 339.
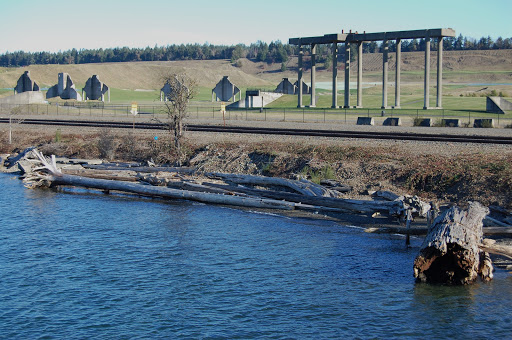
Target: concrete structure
column 425, row 122
column 365, row 121
column 306, row 89
column 95, row 89
column 225, row 90
column 359, row 39
column 498, row 105
column 450, row 122
column 392, row 122
column 255, row 99
column 65, row 89
column 28, row 97
column 25, row 84
column 165, row 92
column 286, row 87
column 484, row 123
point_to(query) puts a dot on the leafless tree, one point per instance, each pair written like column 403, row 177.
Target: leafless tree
column 15, row 111
column 182, row 90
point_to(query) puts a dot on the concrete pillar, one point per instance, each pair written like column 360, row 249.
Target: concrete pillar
column 439, row 98
column 385, row 62
column 335, row 75
column 397, row 74
column 299, row 82
column 427, row 74
column 360, row 74
column 313, row 76
column 347, row 75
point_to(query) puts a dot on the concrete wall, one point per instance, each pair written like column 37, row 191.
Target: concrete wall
column 286, row 87
column 64, row 89
column 25, row 83
column 225, row 90
column 94, row 89
column 498, row 105
column 29, row 97
column 258, row 99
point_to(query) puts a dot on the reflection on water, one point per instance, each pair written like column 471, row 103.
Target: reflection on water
column 83, row 264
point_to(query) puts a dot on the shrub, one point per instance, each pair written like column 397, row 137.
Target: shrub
column 417, row 121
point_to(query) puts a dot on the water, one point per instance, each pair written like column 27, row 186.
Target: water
column 79, row 264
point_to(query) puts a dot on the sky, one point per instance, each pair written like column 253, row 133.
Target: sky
column 60, row 25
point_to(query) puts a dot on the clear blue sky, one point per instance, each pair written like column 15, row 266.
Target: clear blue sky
column 35, row 25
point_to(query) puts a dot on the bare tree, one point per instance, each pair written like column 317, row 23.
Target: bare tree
column 16, row 110
column 182, row 90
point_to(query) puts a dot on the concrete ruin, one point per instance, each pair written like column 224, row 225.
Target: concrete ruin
column 25, row 84
column 255, row 99
column 286, row 87
column 27, row 97
column 359, row 39
column 95, row 89
column 498, row 105
column 225, row 91
column 165, row 92
column 65, row 89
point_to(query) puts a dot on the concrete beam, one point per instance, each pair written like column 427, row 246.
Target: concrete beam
column 439, row 97
column 299, row 81
column 325, row 39
column 385, row 62
column 397, row 72
column 313, row 76
column 347, row 75
column 360, row 74
column 426, row 91
column 335, row 75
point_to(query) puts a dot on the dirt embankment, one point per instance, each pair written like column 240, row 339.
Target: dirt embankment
column 447, row 174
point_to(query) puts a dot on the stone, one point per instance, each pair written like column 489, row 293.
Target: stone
column 65, row 89
column 25, row 84
column 95, row 89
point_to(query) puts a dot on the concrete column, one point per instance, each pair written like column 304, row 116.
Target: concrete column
column 299, row 82
column 385, row 62
column 335, row 75
column 360, row 74
column 427, row 74
column 347, row 75
column 397, row 74
column 313, row 76
column 439, row 101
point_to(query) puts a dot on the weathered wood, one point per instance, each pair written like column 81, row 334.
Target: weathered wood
column 303, row 187
column 490, row 246
column 491, row 222
column 148, row 169
column 11, row 161
column 450, row 253
column 348, row 205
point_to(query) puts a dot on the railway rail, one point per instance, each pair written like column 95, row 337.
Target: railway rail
column 277, row 131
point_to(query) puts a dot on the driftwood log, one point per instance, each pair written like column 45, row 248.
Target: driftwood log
column 450, row 253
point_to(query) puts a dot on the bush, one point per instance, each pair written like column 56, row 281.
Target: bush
column 107, row 144
column 417, row 121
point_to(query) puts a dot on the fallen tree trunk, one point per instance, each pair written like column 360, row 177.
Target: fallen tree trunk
column 349, row 205
column 147, row 169
column 450, row 253
column 303, row 187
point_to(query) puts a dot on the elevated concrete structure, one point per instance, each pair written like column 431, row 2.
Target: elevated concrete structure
column 286, row 87
column 255, row 99
column 95, row 89
column 65, row 89
column 225, row 91
column 498, row 105
column 25, row 84
column 359, row 39
column 28, row 97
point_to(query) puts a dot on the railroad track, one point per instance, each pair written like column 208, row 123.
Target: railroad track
column 277, row 131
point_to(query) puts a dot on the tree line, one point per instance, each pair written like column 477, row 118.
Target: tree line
column 275, row 52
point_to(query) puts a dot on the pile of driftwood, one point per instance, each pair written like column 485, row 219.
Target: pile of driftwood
column 454, row 250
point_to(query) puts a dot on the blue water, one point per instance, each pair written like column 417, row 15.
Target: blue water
column 79, row 265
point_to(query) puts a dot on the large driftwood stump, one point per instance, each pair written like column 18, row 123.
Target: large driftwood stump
column 450, row 253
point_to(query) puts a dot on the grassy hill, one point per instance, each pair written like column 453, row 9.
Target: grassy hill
column 463, row 72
